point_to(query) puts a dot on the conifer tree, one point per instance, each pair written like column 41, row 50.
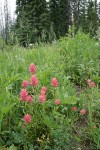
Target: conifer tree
column 32, row 21
column 82, row 18
column 7, row 22
column 75, row 12
column 55, row 16
column 99, row 12
column 92, row 17
column 22, row 26
column 2, row 33
column 65, row 16
column 37, row 20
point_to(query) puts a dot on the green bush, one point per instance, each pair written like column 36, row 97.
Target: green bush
column 81, row 55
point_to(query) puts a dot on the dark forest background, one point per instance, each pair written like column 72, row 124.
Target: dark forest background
column 45, row 21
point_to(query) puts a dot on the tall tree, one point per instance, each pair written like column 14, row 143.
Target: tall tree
column 7, row 21
column 55, row 16
column 32, row 20
column 2, row 35
column 92, row 17
column 22, row 26
column 65, row 16
column 99, row 12
column 82, row 15
column 38, row 19
column 75, row 12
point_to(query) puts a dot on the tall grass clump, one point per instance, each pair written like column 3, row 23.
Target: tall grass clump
column 81, row 55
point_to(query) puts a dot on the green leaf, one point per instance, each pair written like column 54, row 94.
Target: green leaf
column 70, row 100
column 12, row 147
column 31, row 147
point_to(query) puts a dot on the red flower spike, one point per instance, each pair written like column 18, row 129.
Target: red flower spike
column 88, row 81
column 33, row 80
column 82, row 111
column 23, row 94
column 43, row 90
column 32, row 68
column 25, row 83
column 57, row 101
column 26, row 118
column 73, row 108
column 54, row 82
column 42, row 98
column 92, row 84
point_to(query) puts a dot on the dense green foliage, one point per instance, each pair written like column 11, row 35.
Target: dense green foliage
column 32, row 22
column 82, row 58
column 46, row 20
column 53, row 127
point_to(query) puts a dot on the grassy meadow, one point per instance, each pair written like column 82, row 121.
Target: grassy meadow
column 69, row 116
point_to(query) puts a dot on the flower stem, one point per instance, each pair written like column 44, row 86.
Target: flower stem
column 90, row 113
column 54, row 93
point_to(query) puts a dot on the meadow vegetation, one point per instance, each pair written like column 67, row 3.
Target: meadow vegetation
column 63, row 82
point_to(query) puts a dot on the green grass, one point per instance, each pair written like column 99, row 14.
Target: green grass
column 82, row 58
column 72, row 61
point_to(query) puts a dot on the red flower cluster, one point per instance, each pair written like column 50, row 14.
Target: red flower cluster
column 82, row 111
column 32, row 68
column 33, row 80
column 25, row 84
column 57, row 101
column 23, row 94
column 73, row 108
column 90, row 83
column 42, row 96
column 43, row 90
column 54, row 82
column 26, row 119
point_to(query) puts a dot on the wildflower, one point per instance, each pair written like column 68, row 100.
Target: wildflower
column 26, row 118
column 42, row 98
column 33, row 80
column 29, row 98
column 82, row 111
column 57, row 101
column 23, row 94
column 92, row 84
column 24, row 83
column 54, row 82
column 88, row 81
column 32, row 68
column 43, row 90
column 73, row 108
